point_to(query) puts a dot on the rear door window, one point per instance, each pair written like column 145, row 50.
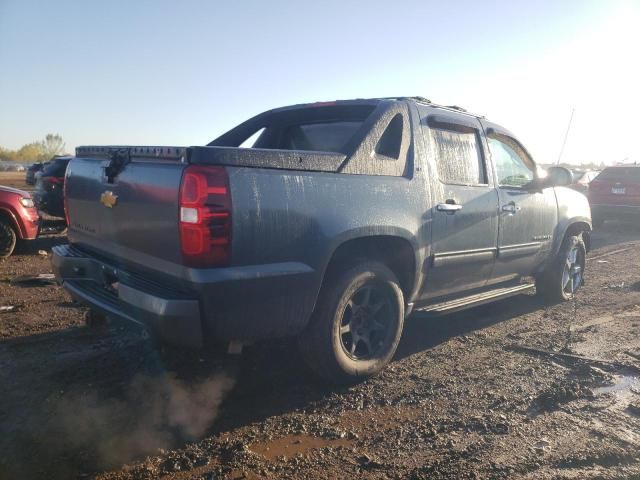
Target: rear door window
column 459, row 158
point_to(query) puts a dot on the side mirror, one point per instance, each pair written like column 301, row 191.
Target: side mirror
column 559, row 177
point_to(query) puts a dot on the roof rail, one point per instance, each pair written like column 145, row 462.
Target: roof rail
column 421, row 99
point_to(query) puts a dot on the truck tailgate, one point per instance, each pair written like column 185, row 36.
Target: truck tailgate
column 134, row 216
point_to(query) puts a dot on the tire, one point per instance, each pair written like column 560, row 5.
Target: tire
column 357, row 324
column 566, row 275
column 8, row 238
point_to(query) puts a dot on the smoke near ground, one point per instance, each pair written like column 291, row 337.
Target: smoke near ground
column 95, row 410
column 155, row 412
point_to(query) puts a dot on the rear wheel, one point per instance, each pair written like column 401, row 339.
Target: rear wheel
column 357, row 324
column 565, row 277
column 8, row 238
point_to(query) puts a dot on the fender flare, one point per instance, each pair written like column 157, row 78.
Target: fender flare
column 564, row 226
column 419, row 255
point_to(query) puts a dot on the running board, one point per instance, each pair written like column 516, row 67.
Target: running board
column 478, row 299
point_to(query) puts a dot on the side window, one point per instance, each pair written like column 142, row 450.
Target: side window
column 391, row 140
column 513, row 167
column 459, row 158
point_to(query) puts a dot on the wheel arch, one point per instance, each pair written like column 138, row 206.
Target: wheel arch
column 9, row 216
column 580, row 227
column 396, row 252
column 573, row 226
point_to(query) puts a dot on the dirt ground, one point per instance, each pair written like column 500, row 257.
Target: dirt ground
column 14, row 179
column 500, row 391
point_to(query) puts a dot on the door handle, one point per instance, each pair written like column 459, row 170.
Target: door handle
column 511, row 208
column 448, row 207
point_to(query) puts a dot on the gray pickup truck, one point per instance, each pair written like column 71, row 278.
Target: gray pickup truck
column 330, row 222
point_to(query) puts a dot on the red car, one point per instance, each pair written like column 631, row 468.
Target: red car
column 19, row 219
column 615, row 193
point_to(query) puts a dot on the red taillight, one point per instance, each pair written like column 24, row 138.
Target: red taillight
column 66, row 203
column 55, row 180
column 205, row 217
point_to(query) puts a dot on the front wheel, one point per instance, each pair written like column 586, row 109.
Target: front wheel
column 565, row 276
column 8, row 239
column 356, row 326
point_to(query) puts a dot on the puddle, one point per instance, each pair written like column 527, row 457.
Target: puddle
column 292, row 445
column 623, row 384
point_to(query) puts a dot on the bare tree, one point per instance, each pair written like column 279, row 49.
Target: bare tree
column 52, row 145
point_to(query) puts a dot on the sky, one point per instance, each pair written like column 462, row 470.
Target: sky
column 183, row 72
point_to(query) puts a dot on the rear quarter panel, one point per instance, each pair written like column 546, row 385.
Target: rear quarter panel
column 305, row 216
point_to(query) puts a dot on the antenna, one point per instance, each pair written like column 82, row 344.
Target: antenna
column 566, row 135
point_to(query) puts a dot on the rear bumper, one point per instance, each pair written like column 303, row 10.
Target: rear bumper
column 175, row 320
column 241, row 303
column 610, row 212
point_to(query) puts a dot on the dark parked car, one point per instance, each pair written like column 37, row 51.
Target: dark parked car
column 11, row 167
column 615, row 194
column 31, row 172
column 49, row 193
column 342, row 219
column 18, row 219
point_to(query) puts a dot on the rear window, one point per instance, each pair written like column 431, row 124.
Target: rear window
column 322, row 128
column 327, row 137
column 619, row 174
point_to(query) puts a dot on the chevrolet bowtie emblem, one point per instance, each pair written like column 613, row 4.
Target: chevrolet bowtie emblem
column 108, row 199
